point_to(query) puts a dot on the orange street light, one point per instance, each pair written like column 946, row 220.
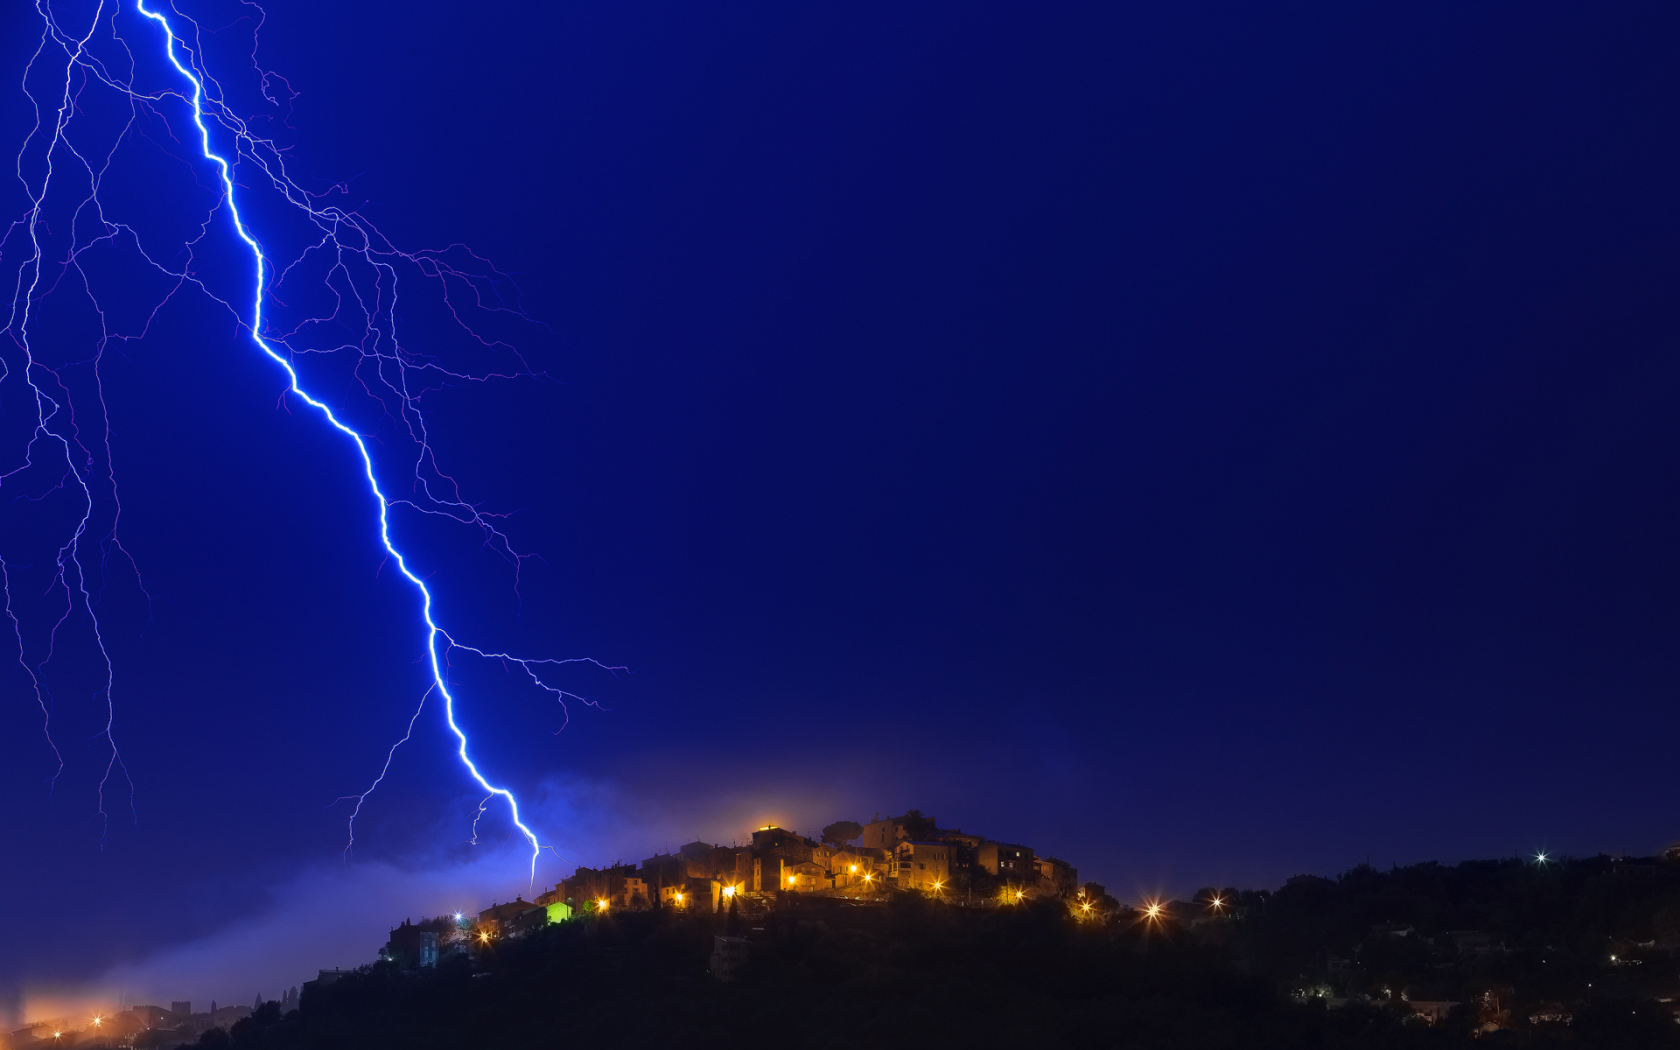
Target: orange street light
column 729, row 891
column 601, row 904
column 678, row 896
column 1153, row 910
column 792, row 879
column 854, row 869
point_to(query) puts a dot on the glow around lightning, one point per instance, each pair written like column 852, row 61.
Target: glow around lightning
column 392, row 374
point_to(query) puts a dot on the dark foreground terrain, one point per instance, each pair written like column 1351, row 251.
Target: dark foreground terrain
column 1570, row 955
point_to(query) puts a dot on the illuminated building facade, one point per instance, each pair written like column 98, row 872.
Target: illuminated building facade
column 1007, row 860
column 923, row 866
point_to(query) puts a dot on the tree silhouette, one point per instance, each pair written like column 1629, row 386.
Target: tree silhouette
column 841, row 832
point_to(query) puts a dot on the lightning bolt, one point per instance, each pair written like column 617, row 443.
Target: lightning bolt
column 55, row 438
column 361, row 272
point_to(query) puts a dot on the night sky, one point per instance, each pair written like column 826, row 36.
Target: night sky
column 1207, row 442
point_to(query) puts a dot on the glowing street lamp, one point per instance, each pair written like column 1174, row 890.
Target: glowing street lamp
column 1540, row 857
column 1153, row 910
column 601, row 904
column 678, row 897
column 729, row 891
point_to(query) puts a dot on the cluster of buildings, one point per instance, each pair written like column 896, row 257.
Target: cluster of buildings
column 852, row 860
column 856, row 861
column 859, row 862
column 144, row 1027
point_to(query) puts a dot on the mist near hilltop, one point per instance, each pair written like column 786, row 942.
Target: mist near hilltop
column 337, row 912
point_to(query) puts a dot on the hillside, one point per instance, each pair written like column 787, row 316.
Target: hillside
column 1563, row 954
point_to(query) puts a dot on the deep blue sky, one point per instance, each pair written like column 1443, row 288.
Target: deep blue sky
column 1204, row 442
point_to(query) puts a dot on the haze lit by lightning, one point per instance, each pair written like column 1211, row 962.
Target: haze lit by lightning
column 352, row 260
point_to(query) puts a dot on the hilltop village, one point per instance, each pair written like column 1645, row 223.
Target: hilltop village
column 780, row 868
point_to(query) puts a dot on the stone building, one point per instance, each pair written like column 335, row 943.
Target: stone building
column 412, row 947
column 1057, row 876
column 924, row 866
column 1007, row 860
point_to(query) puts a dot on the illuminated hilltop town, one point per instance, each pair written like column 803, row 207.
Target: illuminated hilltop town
column 850, row 865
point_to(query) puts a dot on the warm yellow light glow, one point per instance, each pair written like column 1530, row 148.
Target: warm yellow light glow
column 1153, row 910
column 1020, row 893
column 602, row 903
column 679, row 898
column 729, row 891
column 792, row 879
column 1218, row 902
column 484, row 935
column 854, row 869
column 869, row 878
column 938, row 885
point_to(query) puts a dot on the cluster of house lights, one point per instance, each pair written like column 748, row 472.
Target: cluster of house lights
column 1153, row 910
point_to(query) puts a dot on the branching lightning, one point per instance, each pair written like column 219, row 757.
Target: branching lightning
column 348, row 257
